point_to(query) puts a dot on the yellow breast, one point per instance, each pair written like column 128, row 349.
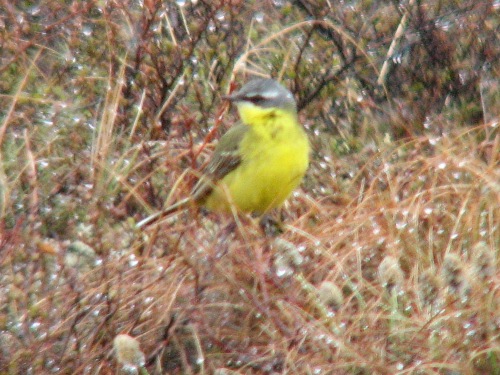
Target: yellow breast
column 275, row 157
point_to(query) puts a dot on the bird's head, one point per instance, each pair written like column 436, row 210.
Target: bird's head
column 261, row 98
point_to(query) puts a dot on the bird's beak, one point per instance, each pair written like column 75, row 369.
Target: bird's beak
column 232, row 98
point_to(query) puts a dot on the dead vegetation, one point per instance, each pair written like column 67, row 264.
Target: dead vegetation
column 389, row 256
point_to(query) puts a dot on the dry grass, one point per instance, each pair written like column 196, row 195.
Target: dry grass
column 388, row 263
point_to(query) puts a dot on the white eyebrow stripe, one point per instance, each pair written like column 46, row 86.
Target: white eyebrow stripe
column 272, row 94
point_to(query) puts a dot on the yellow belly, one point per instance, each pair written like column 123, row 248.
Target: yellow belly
column 274, row 161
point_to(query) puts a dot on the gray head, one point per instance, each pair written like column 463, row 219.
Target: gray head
column 265, row 93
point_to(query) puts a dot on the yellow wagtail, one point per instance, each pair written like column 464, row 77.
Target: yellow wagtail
column 258, row 163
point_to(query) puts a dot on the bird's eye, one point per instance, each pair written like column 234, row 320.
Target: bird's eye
column 256, row 99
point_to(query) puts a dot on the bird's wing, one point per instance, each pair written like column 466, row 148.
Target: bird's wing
column 225, row 159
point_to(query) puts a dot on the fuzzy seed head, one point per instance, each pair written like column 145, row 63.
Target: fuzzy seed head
column 483, row 259
column 390, row 274
column 455, row 276
column 429, row 286
column 452, row 271
column 128, row 351
column 330, row 295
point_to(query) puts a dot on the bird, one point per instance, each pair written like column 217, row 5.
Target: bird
column 257, row 163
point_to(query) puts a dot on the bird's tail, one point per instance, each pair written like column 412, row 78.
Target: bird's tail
column 175, row 208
